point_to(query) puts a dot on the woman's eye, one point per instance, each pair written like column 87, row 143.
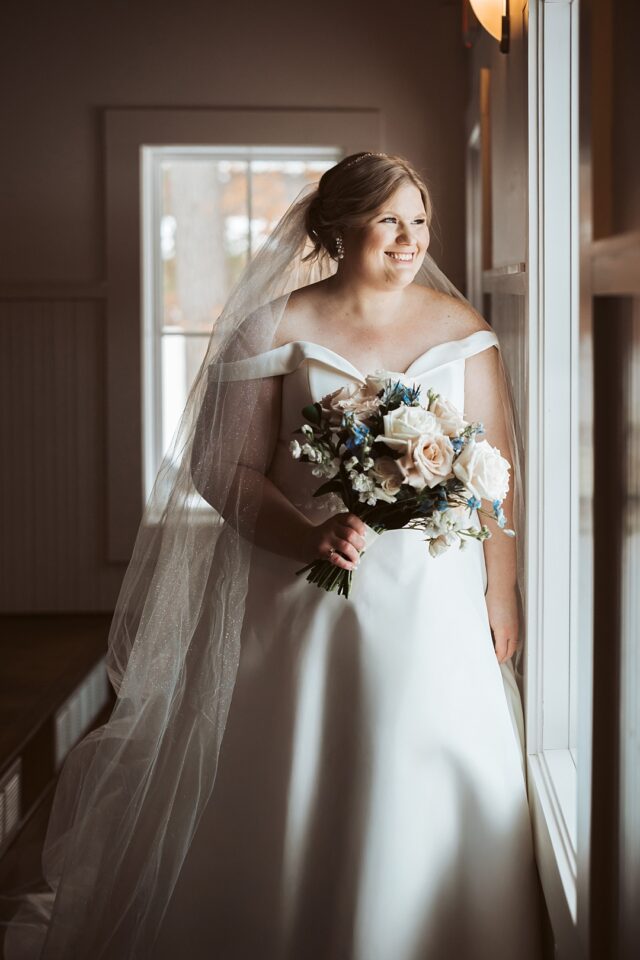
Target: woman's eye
column 394, row 220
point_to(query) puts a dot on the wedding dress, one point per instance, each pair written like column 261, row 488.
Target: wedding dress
column 288, row 774
column 370, row 802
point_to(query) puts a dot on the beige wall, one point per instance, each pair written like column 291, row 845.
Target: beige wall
column 508, row 135
column 506, row 263
column 63, row 67
column 74, row 59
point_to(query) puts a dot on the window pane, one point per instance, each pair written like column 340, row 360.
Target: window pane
column 275, row 184
column 203, row 238
column 181, row 359
column 210, row 210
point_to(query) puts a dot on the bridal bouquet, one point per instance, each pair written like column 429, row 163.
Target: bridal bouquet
column 398, row 461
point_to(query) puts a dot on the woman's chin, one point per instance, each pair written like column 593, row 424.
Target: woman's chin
column 400, row 278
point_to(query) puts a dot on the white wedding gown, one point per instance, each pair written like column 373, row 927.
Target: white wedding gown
column 370, row 801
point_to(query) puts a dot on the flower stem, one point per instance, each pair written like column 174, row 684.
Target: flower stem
column 328, row 577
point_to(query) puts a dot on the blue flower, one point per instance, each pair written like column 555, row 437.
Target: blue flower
column 499, row 513
column 359, row 434
column 457, row 443
column 473, row 503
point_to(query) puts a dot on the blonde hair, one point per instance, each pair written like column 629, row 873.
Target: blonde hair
column 353, row 190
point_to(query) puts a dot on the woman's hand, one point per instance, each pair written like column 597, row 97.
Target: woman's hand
column 338, row 539
column 502, row 607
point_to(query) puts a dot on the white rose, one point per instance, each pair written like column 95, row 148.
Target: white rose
column 405, row 423
column 449, row 417
column 483, row 470
column 427, row 461
column 377, row 380
column 388, row 474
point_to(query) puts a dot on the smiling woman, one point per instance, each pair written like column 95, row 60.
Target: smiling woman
column 357, row 190
column 369, row 310
column 401, row 236
column 390, row 761
column 362, row 794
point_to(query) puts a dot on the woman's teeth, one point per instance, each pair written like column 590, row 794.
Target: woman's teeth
column 408, row 257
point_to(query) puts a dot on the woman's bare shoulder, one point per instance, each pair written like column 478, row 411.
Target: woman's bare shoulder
column 300, row 311
column 457, row 317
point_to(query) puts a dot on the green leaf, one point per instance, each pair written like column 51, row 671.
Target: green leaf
column 330, row 486
column 312, row 412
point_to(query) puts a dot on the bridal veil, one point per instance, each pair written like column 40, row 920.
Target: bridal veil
column 131, row 793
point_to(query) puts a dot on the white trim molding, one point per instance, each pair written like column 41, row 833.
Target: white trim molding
column 552, row 463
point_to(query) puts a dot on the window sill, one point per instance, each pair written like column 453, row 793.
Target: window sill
column 553, row 801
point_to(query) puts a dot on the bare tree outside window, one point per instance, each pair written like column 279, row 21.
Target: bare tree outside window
column 206, row 212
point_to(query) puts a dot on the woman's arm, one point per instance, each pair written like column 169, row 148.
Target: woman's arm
column 231, row 475
column 484, row 401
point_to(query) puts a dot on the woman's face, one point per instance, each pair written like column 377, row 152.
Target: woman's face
column 388, row 250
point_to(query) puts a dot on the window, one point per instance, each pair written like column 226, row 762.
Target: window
column 558, row 715
column 206, row 210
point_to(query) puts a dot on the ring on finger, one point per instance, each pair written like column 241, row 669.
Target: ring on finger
column 332, row 553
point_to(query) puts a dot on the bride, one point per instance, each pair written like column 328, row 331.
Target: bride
column 370, row 800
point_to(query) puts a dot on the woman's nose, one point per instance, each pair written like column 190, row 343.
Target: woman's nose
column 404, row 234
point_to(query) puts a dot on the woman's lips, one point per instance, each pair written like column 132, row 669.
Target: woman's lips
column 400, row 257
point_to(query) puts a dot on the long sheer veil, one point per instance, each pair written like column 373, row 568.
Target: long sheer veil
column 131, row 793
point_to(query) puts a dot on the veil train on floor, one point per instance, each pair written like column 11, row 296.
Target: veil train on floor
column 131, row 793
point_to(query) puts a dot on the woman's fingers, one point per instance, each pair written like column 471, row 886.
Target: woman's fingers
column 342, row 540
column 512, row 647
column 351, row 520
column 345, row 550
column 500, row 644
column 505, row 641
column 336, row 558
column 352, row 529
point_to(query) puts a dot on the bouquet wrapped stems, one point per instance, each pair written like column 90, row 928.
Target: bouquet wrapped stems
column 327, row 576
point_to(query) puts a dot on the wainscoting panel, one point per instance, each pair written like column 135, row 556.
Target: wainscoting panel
column 52, row 477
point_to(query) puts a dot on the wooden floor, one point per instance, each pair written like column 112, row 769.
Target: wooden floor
column 44, row 659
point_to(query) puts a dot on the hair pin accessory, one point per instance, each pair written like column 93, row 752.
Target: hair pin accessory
column 363, row 156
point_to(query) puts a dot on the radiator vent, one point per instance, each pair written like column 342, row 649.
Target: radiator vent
column 10, row 801
column 79, row 710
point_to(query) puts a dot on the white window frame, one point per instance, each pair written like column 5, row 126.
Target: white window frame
column 558, row 634
column 126, row 131
column 152, row 157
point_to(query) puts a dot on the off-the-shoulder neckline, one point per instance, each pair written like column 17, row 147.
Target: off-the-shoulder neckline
column 414, row 363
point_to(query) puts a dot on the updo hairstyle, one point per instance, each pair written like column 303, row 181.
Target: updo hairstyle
column 349, row 193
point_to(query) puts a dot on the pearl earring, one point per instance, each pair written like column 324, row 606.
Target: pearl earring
column 339, row 248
